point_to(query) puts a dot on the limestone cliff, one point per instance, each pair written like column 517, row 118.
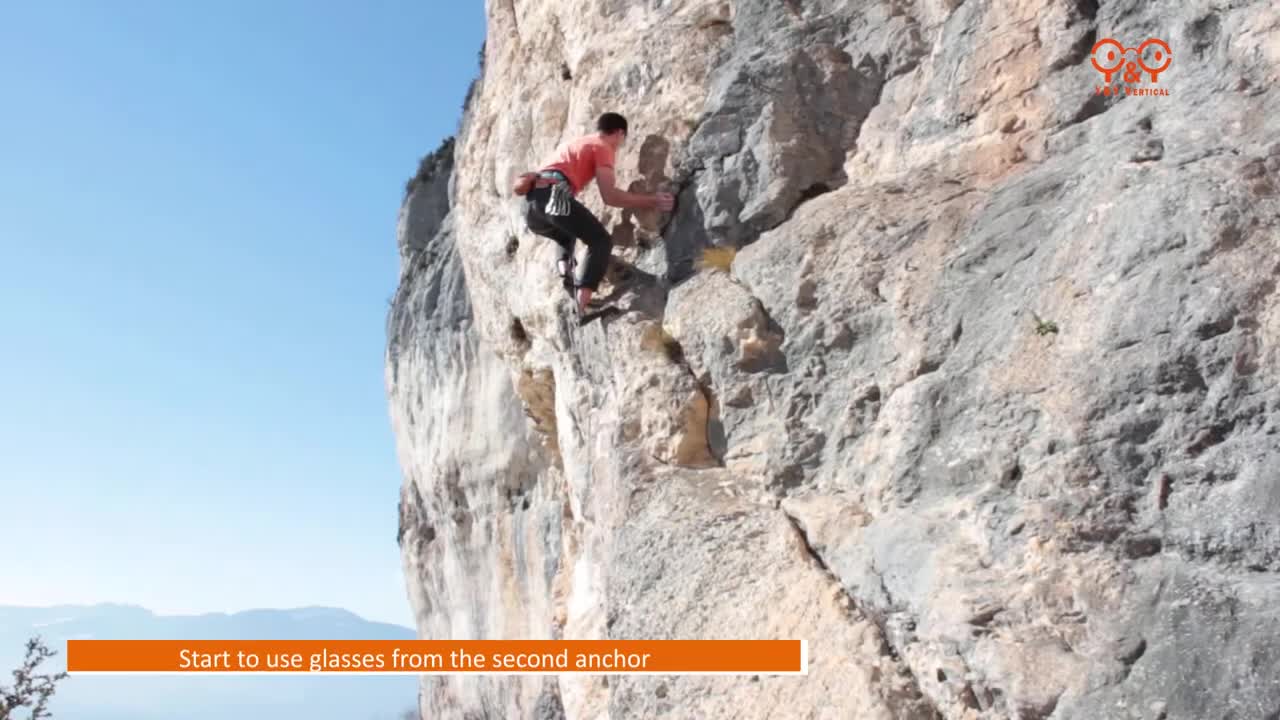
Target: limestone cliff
column 985, row 406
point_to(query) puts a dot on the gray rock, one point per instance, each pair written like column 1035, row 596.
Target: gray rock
column 986, row 405
column 485, row 503
column 426, row 203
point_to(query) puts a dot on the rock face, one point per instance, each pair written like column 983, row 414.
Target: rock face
column 986, row 405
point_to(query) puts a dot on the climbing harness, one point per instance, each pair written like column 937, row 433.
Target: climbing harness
column 561, row 189
column 561, row 193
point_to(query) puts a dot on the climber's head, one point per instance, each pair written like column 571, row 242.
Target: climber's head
column 613, row 128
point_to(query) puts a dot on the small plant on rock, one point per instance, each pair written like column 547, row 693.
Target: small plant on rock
column 1044, row 327
column 717, row 258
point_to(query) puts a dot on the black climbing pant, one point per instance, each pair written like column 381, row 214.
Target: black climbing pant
column 563, row 229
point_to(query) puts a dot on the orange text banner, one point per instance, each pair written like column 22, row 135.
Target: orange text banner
column 597, row 657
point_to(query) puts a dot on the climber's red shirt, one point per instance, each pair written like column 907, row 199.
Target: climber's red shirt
column 580, row 159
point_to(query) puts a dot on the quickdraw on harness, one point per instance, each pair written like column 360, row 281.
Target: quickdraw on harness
column 561, row 191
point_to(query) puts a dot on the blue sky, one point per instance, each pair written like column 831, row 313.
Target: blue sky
column 197, row 217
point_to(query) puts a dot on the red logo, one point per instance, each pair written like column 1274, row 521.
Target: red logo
column 1136, row 65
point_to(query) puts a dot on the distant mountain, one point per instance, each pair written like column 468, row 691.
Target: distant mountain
column 209, row 697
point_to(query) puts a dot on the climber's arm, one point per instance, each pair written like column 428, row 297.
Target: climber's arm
column 615, row 197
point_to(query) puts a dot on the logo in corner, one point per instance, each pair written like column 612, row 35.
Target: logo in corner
column 1137, row 66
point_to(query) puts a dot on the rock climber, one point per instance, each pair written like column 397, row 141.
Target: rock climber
column 553, row 210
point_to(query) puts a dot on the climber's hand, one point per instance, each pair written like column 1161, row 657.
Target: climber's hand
column 664, row 201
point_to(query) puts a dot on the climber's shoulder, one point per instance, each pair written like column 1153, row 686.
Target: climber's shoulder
column 582, row 159
column 601, row 152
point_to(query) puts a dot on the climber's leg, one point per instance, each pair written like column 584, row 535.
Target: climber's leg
column 539, row 224
column 581, row 223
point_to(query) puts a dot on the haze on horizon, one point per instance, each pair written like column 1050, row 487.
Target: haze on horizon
column 197, row 216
